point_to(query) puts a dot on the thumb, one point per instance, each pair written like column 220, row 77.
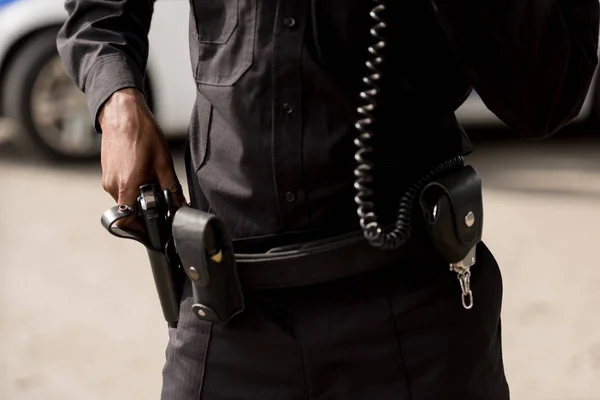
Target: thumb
column 168, row 181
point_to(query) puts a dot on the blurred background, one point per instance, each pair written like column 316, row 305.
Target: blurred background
column 79, row 318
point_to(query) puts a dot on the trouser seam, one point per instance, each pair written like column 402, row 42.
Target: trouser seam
column 204, row 361
column 401, row 363
column 301, row 358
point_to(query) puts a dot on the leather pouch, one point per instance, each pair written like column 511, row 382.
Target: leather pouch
column 207, row 257
column 452, row 205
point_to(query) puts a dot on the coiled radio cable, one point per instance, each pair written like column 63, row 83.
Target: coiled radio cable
column 397, row 234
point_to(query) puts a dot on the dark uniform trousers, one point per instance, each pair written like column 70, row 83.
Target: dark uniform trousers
column 396, row 334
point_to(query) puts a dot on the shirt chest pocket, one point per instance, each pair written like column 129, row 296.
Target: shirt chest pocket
column 222, row 34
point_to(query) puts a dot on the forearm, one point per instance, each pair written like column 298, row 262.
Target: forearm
column 531, row 61
column 104, row 46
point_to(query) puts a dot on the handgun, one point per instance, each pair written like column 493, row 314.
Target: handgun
column 155, row 211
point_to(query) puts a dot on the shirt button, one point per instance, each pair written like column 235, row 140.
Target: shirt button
column 289, row 22
column 287, row 108
column 290, row 197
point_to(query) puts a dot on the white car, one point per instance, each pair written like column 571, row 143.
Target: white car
column 51, row 112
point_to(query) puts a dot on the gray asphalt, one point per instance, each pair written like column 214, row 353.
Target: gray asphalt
column 80, row 319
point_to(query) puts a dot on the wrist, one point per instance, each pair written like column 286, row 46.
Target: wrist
column 122, row 99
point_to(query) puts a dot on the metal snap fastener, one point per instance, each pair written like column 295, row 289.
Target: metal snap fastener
column 469, row 219
column 289, row 22
column 287, row 108
column 290, row 197
column 194, row 274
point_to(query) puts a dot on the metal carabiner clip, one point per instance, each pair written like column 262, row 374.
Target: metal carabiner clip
column 465, row 285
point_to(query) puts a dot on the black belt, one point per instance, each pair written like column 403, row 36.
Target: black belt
column 220, row 275
column 316, row 262
column 198, row 234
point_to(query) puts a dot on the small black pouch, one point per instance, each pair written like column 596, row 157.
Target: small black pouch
column 452, row 205
column 206, row 253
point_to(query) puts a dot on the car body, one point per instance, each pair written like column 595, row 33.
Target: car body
column 171, row 88
column 169, row 70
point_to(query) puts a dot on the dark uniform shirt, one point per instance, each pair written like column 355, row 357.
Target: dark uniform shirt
column 271, row 137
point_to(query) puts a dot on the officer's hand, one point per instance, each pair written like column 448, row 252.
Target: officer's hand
column 134, row 152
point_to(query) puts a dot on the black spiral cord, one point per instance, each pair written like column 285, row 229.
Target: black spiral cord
column 399, row 233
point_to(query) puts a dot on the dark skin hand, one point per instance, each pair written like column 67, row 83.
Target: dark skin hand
column 134, row 152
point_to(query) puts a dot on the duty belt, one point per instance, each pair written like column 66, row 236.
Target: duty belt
column 314, row 263
column 194, row 244
column 189, row 243
column 220, row 275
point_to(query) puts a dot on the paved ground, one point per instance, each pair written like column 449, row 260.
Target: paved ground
column 79, row 319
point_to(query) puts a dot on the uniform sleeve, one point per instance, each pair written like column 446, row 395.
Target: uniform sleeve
column 531, row 61
column 104, row 47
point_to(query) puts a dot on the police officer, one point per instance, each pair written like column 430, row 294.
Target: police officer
column 270, row 151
